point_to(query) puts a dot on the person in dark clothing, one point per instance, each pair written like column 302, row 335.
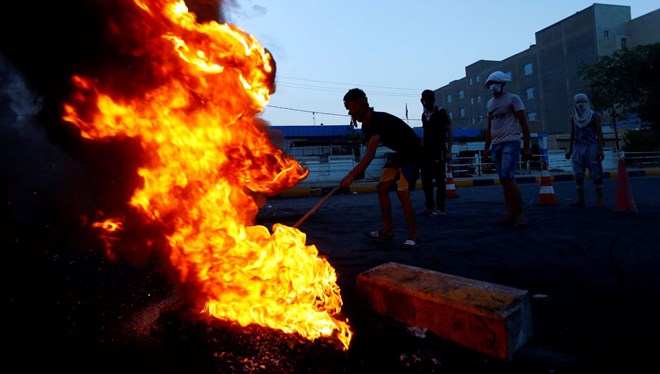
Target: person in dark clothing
column 436, row 150
column 392, row 132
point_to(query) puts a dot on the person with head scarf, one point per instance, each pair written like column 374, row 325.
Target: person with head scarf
column 402, row 168
column 507, row 120
column 586, row 148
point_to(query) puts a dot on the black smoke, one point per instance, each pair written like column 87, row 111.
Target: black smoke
column 59, row 288
column 42, row 45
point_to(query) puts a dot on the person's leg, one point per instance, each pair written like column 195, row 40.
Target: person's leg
column 518, row 210
column 427, row 187
column 513, row 201
column 441, row 179
column 598, row 185
column 383, row 188
column 408, row 213
column 510, row 156
column 407, row 180
column 579, row 172
column 596, row 174
column 579, row 186
column 496, row 154
column 510, row 214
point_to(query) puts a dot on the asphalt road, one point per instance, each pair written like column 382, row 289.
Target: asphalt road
column 592, row 273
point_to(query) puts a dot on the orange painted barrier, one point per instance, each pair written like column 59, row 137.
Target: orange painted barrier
column 546, row 192
column 624, row 196
column 451, row 186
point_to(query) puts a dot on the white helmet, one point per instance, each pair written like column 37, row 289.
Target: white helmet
column 497, row 76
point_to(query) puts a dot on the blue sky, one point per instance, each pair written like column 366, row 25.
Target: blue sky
column 391, row 49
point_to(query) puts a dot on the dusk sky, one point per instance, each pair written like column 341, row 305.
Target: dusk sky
column 392, row 50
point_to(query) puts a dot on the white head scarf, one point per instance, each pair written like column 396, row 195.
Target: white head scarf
column 582, row 110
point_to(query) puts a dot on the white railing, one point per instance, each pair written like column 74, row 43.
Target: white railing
column 642, row 160
column 329, row 170
column 476, row 165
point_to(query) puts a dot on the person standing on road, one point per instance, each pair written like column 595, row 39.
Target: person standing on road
column 394, row 133
column 507, row 119
column 436, row 151
column 586, row 148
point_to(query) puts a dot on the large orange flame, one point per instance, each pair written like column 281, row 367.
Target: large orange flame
column 208, row 159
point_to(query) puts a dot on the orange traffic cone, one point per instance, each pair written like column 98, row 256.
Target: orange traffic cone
column 451, row 187
column 624, row 198
column 546, row 192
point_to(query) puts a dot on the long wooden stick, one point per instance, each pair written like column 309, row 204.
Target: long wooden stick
column 315, row 208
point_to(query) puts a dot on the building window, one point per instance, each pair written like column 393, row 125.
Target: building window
column 624, row 43
column 449, row 98
column 606, row 34
column 462, row 112
column 451, row 116
column 470, row 81
column 476, row 79
column 461, row 94
column 530, row 93
column 479, row 98
column 528, row 69
column 481, row 118
column 531, row 116
column 472, row 101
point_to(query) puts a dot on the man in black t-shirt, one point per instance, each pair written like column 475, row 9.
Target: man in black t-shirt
column 438, row 139
column 392, row 132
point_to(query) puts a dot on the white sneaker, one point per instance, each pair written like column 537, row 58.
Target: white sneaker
column 436, row 213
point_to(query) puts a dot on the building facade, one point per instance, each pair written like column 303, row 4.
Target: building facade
column 545, row 75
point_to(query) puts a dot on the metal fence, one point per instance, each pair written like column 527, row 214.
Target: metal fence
column 557, row 162
column 329, row 170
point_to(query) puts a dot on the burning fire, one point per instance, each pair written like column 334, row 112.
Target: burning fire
column 208, row 161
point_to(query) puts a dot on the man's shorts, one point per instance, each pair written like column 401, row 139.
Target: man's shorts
column 407, row 176
column 505, row 157
column 585, row 156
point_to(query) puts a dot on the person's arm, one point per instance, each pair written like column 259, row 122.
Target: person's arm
column 372, row 144
column 450, row 142
column 599, row 135
column 488, row 139
column 522, row 119
column 569, row 152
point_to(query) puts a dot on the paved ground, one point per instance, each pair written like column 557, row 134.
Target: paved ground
column 593, row 274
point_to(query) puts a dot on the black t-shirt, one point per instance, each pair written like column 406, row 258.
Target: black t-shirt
column 435, row 134
column 396, row 135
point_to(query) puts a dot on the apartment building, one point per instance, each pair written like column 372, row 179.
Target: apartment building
column 546, row 74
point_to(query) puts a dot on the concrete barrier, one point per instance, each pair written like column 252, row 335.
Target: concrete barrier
column 489, row 318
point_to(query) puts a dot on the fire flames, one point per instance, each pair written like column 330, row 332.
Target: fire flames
column 192, row 102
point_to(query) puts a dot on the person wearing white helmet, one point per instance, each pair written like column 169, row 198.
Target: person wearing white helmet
column 507, row 120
